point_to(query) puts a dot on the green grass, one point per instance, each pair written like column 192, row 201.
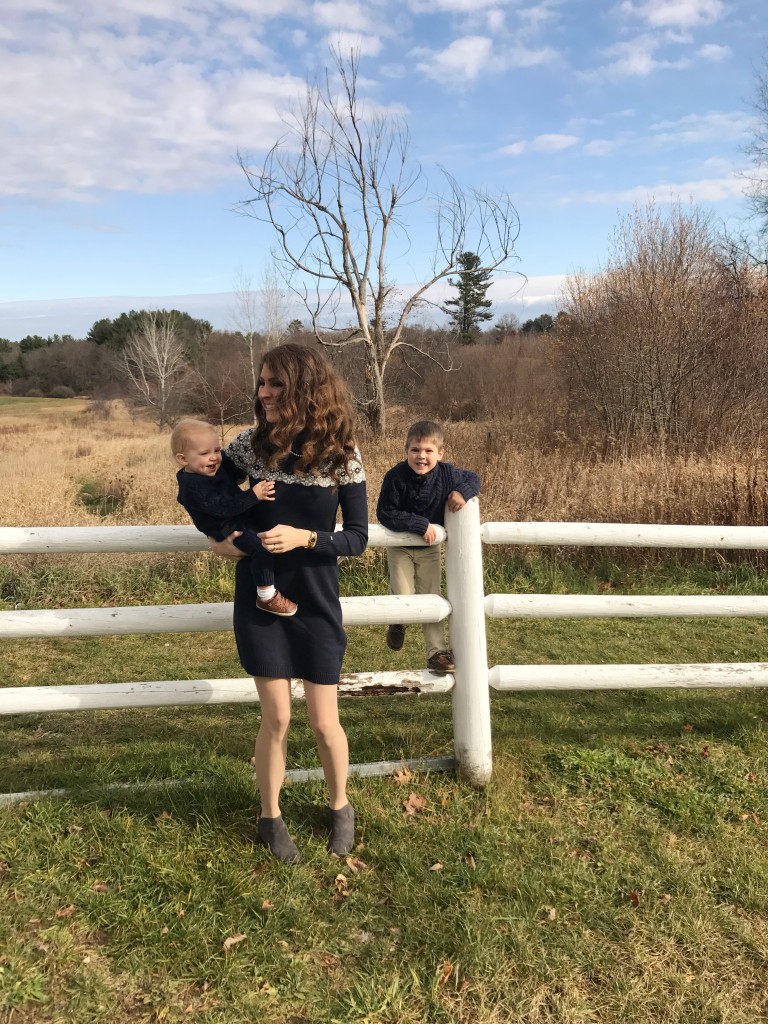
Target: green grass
column 13, row 406
column 615, row 870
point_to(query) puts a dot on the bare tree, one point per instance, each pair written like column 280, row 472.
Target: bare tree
column 274, row 306
column 153, row 362
column 215, row 386
column 245, row 320
column 334, row 188
column 658, row 347
column 757, row 149
column 261, row 318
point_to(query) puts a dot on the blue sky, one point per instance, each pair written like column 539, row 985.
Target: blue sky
column 120, row 124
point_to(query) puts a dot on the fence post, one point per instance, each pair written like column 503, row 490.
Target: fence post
column 471, row 700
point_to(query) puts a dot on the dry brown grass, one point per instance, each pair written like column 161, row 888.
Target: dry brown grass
column 50, row 457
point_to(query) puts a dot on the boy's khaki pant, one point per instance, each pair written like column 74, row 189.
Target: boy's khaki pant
column 417, row 571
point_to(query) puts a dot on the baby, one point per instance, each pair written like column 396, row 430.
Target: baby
column 209, row 491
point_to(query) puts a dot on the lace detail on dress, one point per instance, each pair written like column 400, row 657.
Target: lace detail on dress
column 241, row 453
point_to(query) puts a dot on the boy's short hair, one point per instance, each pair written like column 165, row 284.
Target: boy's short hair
column 424, row 430
column 184, row 430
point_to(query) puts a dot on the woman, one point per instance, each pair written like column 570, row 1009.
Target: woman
column 304, row 442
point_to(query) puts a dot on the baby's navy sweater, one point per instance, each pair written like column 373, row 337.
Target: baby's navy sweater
column 216, row 505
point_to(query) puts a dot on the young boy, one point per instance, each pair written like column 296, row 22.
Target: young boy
column 208, row 490
column 413, row 498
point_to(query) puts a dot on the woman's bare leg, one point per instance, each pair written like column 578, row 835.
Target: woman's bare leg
column 272, row 741
column 323, row 708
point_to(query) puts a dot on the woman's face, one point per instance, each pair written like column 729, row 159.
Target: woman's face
column 271, row 391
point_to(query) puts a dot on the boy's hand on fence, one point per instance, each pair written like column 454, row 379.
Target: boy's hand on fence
column 430, row 534
column 225, row 548
column 456, row 501
column 264, row 490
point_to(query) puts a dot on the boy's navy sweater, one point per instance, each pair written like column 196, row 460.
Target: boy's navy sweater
column 216, row 505
column 411, row 501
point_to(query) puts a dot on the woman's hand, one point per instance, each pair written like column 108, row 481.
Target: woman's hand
column 225, row 548
column 281, row 539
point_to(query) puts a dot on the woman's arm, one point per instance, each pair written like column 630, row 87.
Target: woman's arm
column 351, row 539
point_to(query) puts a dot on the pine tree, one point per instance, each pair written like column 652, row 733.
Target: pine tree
column 470, row 307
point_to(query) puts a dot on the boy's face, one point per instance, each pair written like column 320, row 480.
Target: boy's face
column 202, row 453
column 423, row 454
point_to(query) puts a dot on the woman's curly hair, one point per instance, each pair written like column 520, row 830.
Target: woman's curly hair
column 315, row 412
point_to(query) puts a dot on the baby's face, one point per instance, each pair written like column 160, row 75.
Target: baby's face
column 202, row 453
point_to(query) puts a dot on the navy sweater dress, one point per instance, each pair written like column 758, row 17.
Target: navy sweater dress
column 310, row 645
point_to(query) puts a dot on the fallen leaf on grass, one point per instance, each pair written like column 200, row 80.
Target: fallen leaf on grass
column 665, row 897
column 266, row 905
column 232, row 941
column 66, row 911
column 705, row 752
column 687, row 728
column 415, row 804
column 437, row 866
column 355, row 865
column 552, row 914
column 341, row 882
column 402, row 776
column 100, row 887
column 634, row 897
column 470, row 860
column 445, row 972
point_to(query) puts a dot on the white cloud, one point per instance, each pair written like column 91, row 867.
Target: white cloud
column 343, row 14
column 495, row 20
column 714, row 126
column 601, row 147
column 634, row 58
column 552, row 143
column 346, row 42
column 711, row 51
column 510, row 291
column 706, row 190
column 675, row 13
column 157, row 106
column 455, row 6
column 462, row 61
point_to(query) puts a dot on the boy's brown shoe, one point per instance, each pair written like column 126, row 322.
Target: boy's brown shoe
column 278, row 605
column 441, row 662
column 395, row 638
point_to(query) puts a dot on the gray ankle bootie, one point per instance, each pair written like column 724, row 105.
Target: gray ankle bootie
column 342, row 824
column 273, row 833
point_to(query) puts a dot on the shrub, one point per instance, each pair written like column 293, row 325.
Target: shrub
column 61, row 391
column 34, row 393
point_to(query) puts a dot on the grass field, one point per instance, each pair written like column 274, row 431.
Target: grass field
column 615, row 870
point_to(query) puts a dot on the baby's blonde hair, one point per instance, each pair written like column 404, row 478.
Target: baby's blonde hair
column 183, row 432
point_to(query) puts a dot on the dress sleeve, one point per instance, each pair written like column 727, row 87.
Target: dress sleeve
column 352, row 538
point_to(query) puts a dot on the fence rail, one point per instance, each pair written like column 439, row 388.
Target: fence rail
column 466, row 603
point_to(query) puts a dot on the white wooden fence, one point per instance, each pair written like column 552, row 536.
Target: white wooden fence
column 467, row 604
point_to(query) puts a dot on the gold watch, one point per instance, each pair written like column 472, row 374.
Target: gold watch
column 312, row 542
